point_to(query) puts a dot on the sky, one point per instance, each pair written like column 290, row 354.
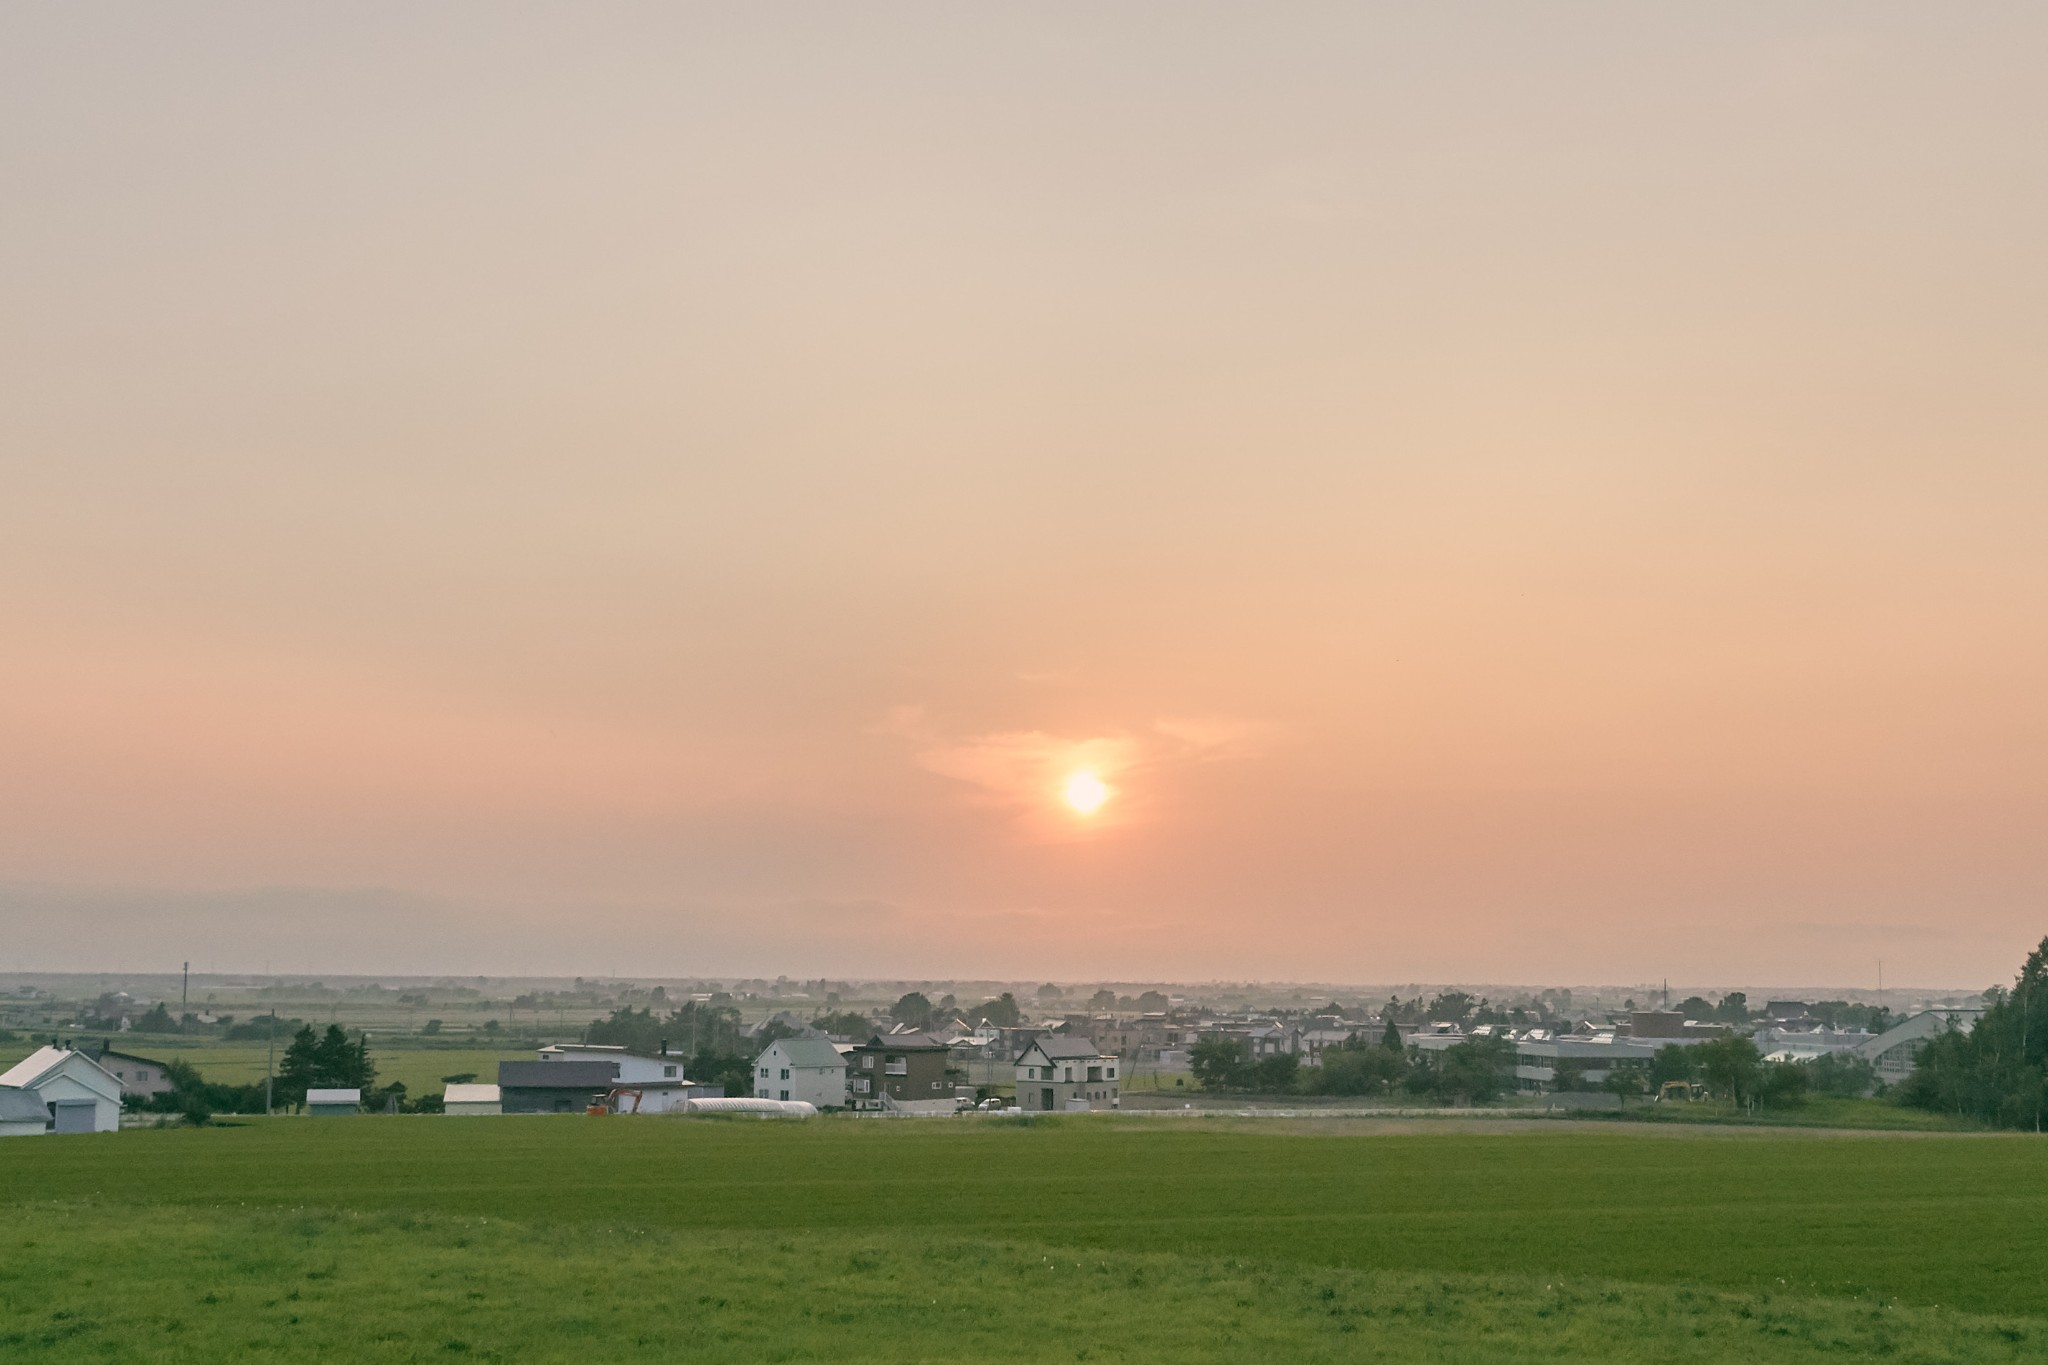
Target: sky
column 1488, row 491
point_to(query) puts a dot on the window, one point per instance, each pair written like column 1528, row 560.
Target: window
column 785, row 1076
column 1094, row 1073
column 867, row 1063
column 668, row 1071
column 764, row 1076
column 760, row 1094
column 785, row 1094
column 1112, row 1073
column 896, row 1066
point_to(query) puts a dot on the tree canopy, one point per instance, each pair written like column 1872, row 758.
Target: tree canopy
column 323, row 1061
column 1998, row 1071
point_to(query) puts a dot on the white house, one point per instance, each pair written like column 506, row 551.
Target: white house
column 81, row 1095
column 662, row 1088
column 22, row 1113
column 1058, row 1071
column 807, row 1069
column 465, row 1098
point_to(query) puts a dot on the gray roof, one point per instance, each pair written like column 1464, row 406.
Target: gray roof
column 1058, row 1046
column 905, row 1042
column 22, row 1106
column 809, row 1052
column 557, row 1075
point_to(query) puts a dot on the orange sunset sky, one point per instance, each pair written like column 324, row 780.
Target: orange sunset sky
column 1489, row 492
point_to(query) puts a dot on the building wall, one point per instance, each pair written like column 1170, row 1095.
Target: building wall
column 924, row 1076
column 1095, row 1080
column 549, row 1100
column 823, row 1087
column 138, row 1078
column 23, row 1129
column 65, row 1085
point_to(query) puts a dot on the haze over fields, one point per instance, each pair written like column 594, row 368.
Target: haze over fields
column 1137, row 492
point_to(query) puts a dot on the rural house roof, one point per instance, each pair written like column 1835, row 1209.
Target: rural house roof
column 468, row 1092
column 101, row 1052
column 906, row 1042
column 557, row 1075
column 1063, row 1048
column 44, row 1060
column 22, row 1106
column 351, row 1096
column 808, row 1052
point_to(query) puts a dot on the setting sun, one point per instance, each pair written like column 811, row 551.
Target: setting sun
column 1085, row 792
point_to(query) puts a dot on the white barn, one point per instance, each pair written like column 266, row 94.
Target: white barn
column 81, row 1095
column 810, row 1070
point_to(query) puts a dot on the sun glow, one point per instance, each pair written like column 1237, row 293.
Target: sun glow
column 1085, row 792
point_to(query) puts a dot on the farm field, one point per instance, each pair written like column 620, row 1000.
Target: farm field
column 420, row 1066
column 1087, row 1237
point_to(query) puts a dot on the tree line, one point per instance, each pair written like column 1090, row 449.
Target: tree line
column 1996, row 1072
column 1482, row 1068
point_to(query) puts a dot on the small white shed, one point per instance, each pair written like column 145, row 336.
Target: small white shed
column 334, row 1101
column 472, row 1099
column 22, row 1113
column 81, row 1095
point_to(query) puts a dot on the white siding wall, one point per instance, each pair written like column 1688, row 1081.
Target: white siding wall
column 822, row 1086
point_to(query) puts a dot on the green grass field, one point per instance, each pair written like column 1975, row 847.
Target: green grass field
column 419, row 1064
column 1076, row 1238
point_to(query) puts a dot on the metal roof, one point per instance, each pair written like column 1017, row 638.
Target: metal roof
column 334, row 1097
column 468, row 1093
column 592, row 1075
column 44, row 1060
column 22, row 1106
column 1059, row 1047
column 807, row 1052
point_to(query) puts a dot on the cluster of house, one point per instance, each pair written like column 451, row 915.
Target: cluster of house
column 1068, row 1064
column 906, row 1072
column 1786, row 1034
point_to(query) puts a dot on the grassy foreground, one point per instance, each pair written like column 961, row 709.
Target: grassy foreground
column 1124, row 1239
column 96, row 1284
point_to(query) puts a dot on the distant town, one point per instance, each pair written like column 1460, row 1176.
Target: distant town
column 92, row 1052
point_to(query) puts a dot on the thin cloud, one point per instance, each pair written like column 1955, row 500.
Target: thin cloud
column 1027, row 767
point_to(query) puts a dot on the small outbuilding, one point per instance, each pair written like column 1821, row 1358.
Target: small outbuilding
column 78, row 1094
column 478, row 1098
column 21, row 1113
column 332, row 1102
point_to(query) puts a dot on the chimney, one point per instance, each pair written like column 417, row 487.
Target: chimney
column 664, row 1047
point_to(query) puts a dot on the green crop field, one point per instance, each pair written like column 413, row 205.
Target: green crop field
column 1077, row 1238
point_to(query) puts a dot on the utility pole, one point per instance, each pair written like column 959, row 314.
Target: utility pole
column 269, row 1060
column 185, row 994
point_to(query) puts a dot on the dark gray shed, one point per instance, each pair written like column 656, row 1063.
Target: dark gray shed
column 554, row 1087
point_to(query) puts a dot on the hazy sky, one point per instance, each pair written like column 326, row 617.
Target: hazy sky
column 1534, row 492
